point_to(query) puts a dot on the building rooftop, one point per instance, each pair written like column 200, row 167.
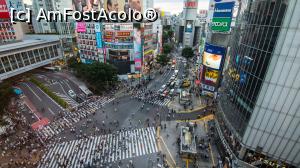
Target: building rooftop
column 24, row 43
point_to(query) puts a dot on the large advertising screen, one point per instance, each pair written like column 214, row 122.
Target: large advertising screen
column 81, row 27
column 213, row 56
column 212, row 60
column 123, row 5
column 211, row 76
column 4, row 13
column 137, row 45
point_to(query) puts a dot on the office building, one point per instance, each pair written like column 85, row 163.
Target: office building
column 259, row 112
column 187, row 28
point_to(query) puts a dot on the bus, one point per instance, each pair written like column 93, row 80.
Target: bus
column 85, row 90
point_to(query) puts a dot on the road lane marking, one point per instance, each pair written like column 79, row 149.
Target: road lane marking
column 33, row 112
column 33, row 91
column 168, row 150
column 51, row 111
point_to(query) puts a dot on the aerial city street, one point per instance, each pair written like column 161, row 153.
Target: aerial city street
column 208, row 84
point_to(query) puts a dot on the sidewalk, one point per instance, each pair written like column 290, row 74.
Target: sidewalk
column 168, row 145
column 198, row 104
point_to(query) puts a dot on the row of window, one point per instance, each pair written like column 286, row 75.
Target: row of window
column 19, row 60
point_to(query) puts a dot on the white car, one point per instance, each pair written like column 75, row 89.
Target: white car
column 72, row 93
column 173, row 66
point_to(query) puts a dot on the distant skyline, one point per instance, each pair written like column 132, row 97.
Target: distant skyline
column 173, row 6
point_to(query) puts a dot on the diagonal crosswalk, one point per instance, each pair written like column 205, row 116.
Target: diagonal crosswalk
column 69, row 118
column 98, row 150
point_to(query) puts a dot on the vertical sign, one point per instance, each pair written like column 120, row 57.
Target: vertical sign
column 222, row 17
column 81, row 27
column 137, row 44
column 98, row 35
column 4, row 14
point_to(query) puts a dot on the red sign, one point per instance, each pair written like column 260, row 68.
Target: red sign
column 4, row 13
column 123, row 34
column 40, row 124
column 192, row 4
column 109, row 33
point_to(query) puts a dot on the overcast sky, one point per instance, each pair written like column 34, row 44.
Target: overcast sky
column 173, row 6
column 176, row 6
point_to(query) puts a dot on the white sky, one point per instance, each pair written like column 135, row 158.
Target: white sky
column 176, row 6
column 173, row 6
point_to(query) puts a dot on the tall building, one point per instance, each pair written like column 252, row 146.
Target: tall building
column 187, row 28
column 43, row 26
column 259, row 102
column 128, row 46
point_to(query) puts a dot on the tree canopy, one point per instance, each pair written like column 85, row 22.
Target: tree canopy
column 188, row 52
column 98, row 75
column 167, row 48
column 162, row 59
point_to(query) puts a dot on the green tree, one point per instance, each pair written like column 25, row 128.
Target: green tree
column 163, row 59
column 72, row 62
column 187, row 52
column 167, row 48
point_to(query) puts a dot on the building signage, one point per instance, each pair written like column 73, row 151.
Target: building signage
column 221, row 24
column 99, row 39
column 81, row 27
column 190, row 4
column 4, row 14
column 222, row 16
column 207, row 87
column 109, row 33
column 211, row 76
column 213, row 56
column 137, row 44
column 98, row 35
column 123, row 34
column 223, row 10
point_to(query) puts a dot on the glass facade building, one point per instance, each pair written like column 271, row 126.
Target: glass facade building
column 259, row 97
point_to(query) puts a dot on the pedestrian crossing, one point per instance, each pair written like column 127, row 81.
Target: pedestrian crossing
column 71, row 102
column 152, row 99
column 69, row 118
column 99, row 150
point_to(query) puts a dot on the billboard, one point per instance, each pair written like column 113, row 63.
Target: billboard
column 98, row 35
column 222, row 17
column 137, row 45
column 123, row 5
column 212, row 60
column 223, row 10
column 213, row 56
column 4, row 13
column 211, row 76
column 81, row 27
column 221, row 24
column 123, row 34
column 87, row 5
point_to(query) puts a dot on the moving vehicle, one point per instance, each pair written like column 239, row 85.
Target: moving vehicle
column 72, row 93
column 186, row 83
column 173, row 67
column 172, row 92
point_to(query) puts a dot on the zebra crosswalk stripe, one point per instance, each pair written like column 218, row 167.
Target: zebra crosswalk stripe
column 102, row 149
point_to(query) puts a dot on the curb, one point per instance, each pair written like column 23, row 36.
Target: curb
column 191, row 111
